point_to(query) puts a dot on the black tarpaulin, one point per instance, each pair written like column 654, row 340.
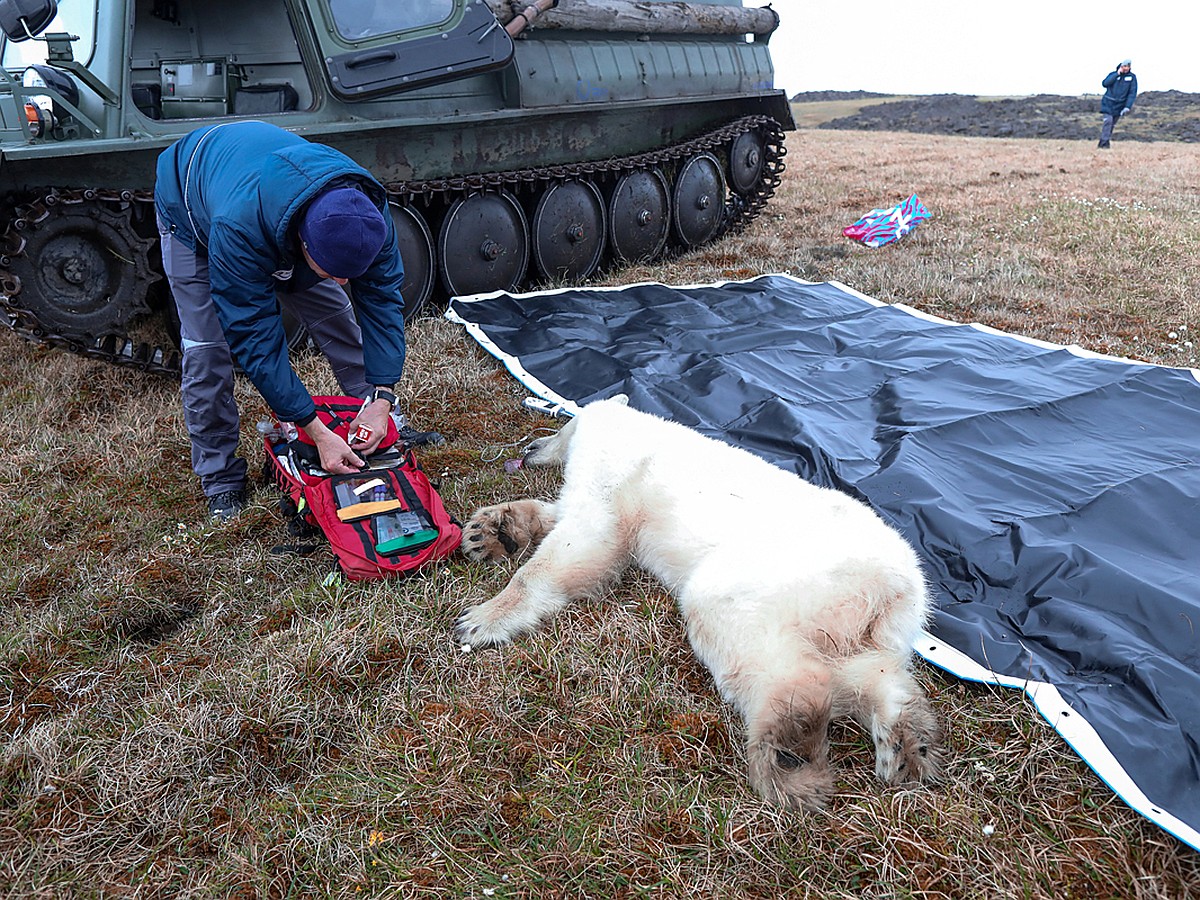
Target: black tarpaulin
column 1053, row 495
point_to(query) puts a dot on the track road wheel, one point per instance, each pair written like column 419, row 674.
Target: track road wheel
column 568, row 231
column 746, row 161
column 483, row 244
column 83, row 270
column 639, row 215
column 416, row 252
column 698, row 202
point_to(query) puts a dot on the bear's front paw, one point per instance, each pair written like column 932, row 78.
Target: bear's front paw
column 475, row 627
column 484, row 536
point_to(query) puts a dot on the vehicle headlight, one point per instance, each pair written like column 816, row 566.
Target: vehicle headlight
column 41, row 76
column 42, row 111
column 30, row 78
column 39, row 108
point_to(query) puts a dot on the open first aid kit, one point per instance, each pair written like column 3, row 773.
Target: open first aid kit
column 382, row 521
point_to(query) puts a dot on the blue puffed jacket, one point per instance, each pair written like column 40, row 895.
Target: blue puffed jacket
column 1122, row 91
column 231, row 192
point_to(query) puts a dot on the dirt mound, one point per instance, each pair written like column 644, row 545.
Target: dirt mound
column 1157, row 116
column 822, row 96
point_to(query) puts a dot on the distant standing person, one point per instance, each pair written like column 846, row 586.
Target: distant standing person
column 1121, row 91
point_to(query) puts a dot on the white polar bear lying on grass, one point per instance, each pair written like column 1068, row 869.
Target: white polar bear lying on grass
column 800, row 600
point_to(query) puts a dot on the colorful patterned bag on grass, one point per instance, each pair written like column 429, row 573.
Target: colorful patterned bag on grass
column 882, row 226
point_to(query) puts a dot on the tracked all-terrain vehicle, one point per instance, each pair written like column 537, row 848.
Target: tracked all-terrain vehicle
column 517, row 148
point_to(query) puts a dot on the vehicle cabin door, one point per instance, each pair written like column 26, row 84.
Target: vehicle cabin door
column 376, row 47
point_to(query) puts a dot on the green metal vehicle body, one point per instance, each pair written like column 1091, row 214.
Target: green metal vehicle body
column 523, row 143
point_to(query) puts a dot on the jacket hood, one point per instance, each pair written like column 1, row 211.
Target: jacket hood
column 292, row 176
column 250, row 173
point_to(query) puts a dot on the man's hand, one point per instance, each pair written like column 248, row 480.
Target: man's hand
column 375, row 416
column 1125, row 110
column 336, row 455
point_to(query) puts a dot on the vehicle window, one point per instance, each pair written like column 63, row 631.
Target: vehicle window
column 356, row 20
column 77, row 17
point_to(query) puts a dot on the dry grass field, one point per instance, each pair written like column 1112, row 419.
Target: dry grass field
column 184, row 713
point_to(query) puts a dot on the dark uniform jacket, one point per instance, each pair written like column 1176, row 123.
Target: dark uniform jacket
column 1122, row 90
column 232, row 192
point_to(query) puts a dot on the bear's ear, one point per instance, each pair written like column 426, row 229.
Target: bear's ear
column 623, row 399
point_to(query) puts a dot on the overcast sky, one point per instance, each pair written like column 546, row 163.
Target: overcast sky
column 991, row 48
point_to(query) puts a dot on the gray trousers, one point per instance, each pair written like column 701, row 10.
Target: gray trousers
column 1107, row 128
column 209, row 408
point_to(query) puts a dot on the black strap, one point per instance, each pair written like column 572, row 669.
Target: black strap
column 334, row 410
column 412, row 499
column 364, row 536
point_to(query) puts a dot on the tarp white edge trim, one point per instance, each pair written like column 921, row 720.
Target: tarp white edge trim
column 1069, row 723
column 1073, row 727
column 510, row 362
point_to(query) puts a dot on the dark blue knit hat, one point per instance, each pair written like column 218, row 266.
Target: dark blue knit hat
column 343, row 231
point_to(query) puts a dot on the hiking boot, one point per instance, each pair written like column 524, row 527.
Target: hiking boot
column 226, row 505
column 410, row 437
column 1103, row 145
